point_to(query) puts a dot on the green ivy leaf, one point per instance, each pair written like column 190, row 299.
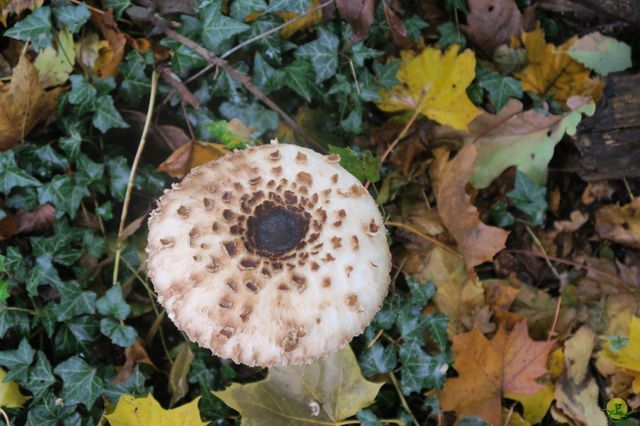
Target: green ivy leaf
column 368, row 418
column 74, row 301
column 64, row 193
column 113, row 303
column 265, row 76
column 529, row 198
column 136, row 84
column 118, row 6
column 378, row 359
column 18, row 361
column 43, row 273
column 261, row 118
column 119, row 172
column 460, row 5
column 80, row 382
column 41, row 377
column 83, row 328
column 322, row 53
column 72, row 17
column 240, row 9
column 295, row 6
column 35, row 28
column 420, row 370
column 218, row 29
column 450, row 34
column 120, row 334
column 500, row 88
column 360, row 53
column 11, row 175
column 298, row 77
column 107, row 116
column 386, row 73
column 414, row 26
column 437, row 324
column 364, row 167
column 499, row 214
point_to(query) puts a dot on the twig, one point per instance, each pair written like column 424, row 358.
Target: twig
column 132, row 175
column 236, row 75
column 178, row 86
column 5, row 416
column 403, row 401
column 422, row 235
column 628, row 188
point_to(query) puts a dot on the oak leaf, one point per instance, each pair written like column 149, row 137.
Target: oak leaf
column 488, row 369
column 620, row 223
column 491, row 23
column 23, row 104
column 477, row 241
column 147, row 411
column 552, row 73
column 435, row 84
column 323, row 393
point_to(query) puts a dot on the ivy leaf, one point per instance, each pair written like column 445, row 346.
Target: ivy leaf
column 420, row 370
column 120, row 334
column 11, row 175
column 88, row 171
column 297, row 77
column 360, row 53
column 260, row 118
column 364, row 167
column 18, row 361
column 386, row 73
column 294, row 6
column 333, row 382
column 113, row 303
column 119, row 172
column 378, row 359
column 529, row 198
column 265, row 76
column 83, row 328
column 43, row 273
column 82, row 95
column 240, row 9
column 64, row 193
column 368, row 418
column 41, row 377
column 322, row 53
column 450, row 34
column 136, row 84
column 35, row 28
column 414, row 25
column 500, row 88
column 106, row 115
column 48, row 413
column 437, row 324
column 72, row 17
column 74, row 301
column 80, row 382
column 118, row 6
column 218, row 29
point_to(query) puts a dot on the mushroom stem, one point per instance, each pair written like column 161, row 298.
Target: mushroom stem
column 132, row 175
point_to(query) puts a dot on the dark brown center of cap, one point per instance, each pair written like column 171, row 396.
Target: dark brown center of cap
column 274, row 229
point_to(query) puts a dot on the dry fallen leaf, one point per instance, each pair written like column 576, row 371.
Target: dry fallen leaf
column 435, row 84
column 133, row 354
column 628, row 357
column 575, row 222
column 620, row 224
column 23, row 104
column 109, row 59
column 322, row 393
column 190, row 155
column 477, row 242
column 17, row 7
column 359, row 14
column 488, row 369
column 491, row 23
column 551, row 72
column 147, row 411
column 308, row 21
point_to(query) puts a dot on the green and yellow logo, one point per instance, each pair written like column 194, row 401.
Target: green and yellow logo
column 617, row 410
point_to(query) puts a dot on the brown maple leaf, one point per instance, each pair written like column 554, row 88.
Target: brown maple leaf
column 23, row 104
column 477, row 241
column 487, row 369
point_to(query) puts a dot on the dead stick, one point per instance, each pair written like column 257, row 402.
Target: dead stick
column 241, row 78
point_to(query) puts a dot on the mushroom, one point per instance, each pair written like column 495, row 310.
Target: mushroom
column 272, row 255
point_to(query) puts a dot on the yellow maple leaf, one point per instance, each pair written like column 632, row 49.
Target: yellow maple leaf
column 436, row 84
column 552, row 72
column 10, row 395
column 628, row 357
column 131, row 411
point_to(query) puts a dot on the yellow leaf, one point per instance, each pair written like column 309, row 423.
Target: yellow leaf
column 323, row 393
column 55, row 64
column 309, row 20
column 436, row 84
column 23, row 104
column 10, row 395
column 629, row 356
column 553, row 73
column 131, row 411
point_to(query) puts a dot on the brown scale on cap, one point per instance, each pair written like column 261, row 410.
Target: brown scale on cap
column 257, row 222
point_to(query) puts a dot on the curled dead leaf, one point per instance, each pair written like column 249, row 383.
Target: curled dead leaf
column 359, row 14
column 477, row 241
column 620, row 224
column 190, row 155
column 110, row 55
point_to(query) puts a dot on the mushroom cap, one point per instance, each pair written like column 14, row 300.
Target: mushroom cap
column 272, row 255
